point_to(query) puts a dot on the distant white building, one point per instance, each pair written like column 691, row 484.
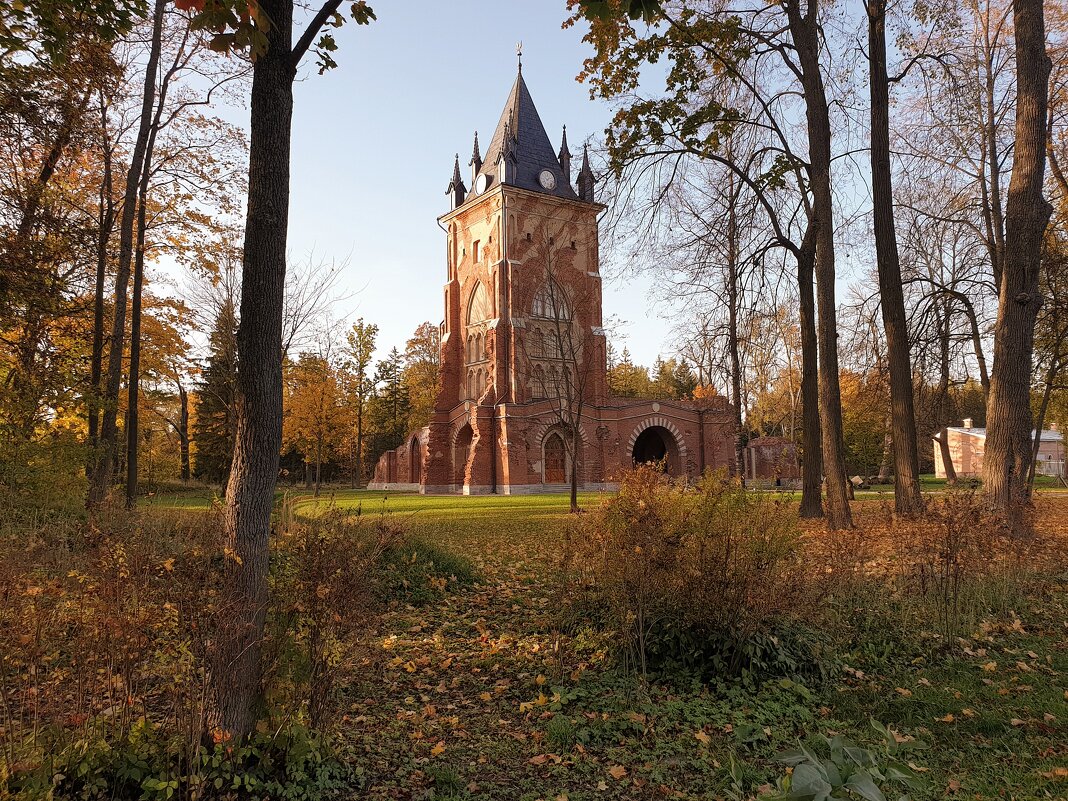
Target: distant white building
column 967, row 445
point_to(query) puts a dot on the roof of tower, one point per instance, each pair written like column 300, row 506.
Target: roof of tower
column 531, row 149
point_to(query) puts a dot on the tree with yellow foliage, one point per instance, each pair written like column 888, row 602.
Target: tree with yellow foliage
column 314, row 419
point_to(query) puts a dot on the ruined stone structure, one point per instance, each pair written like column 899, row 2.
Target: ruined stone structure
column 523, row 353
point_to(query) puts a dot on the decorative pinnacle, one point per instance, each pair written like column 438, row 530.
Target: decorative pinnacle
column 564, row 152
column 476, row 157
column 456, row 171
column 519, row 55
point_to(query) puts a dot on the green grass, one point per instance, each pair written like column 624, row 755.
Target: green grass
column 474, row 694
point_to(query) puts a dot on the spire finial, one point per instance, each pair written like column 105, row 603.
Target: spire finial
column 586, row 180
column 457, row 191
column 519, row 55
column 564, row 156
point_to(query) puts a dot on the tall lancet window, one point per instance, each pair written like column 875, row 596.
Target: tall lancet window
column 479, row 313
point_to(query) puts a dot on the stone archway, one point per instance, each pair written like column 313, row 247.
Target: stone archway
column 461, row 450
column 415, row 461
column 658, row 445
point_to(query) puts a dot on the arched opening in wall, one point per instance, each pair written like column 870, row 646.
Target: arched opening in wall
column 415, row 464
column 657, row 445
column 461, row 450
column 555, row 459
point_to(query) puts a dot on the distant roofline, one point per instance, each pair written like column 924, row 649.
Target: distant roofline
column 1047, row 435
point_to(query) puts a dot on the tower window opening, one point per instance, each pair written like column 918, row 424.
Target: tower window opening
column 474, row 250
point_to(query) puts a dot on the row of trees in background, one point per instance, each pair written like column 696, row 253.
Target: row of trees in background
column 753, row 181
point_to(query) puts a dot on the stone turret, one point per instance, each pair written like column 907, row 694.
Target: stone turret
column 586, row 181
column 457, row 192
column 565, row 158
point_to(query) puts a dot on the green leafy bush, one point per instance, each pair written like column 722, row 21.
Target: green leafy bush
column 850, row 771
column 292, row 763
column 707, row 577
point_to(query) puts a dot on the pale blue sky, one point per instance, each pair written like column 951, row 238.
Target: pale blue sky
column 374, row 141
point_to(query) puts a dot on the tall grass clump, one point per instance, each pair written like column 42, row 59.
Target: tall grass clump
column 707, row 577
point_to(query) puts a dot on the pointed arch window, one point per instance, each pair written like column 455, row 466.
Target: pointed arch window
column 551, row 303
column 479, row 309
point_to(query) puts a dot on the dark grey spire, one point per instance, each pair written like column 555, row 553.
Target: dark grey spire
column 586, row 180
column 565, row 158
column 476, row 161
column 520, row 149
column 457, row 191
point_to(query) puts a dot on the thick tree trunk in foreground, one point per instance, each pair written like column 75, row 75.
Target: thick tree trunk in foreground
column 183, row 431
column 236, row 669
column 907, row 498
column 811, row 433
column 804, row 28
column 103, row 469
column 1007, row 459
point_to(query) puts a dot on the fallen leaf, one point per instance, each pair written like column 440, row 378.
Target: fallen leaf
column 904, row 692
column 990, row 667
column 617, row 771
column 947, row 719
column 1017, row 722
column 703, row 738
column 438, row 749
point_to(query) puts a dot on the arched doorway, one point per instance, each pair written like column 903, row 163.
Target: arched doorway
column 461, row 449
column 555, row 471
column 415, row 463
column 657, row 444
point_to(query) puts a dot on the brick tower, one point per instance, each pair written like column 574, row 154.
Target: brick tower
column 523, row 353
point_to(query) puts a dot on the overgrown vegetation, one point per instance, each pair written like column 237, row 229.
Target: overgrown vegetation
column 416, row 651
column 106, row 632
column 708, row 577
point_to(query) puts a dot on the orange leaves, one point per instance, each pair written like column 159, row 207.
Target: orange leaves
column 617, row 772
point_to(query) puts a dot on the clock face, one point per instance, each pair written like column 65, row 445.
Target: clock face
column 481, row 184
column 547, row 179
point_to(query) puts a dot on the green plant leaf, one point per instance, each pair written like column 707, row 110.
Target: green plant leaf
column 863, row 785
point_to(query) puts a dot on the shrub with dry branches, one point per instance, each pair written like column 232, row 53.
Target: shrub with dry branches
column 708, row 577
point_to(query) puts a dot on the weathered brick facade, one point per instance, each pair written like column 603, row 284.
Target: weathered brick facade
column 523, row 353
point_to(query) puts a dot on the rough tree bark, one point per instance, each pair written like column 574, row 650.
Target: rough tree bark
column 811, row 432
column 105, row 225
column 183, row 430
column 1007, row 459
column 908, row 501
column 100, row 480
column 236, row 661
column 805, row 32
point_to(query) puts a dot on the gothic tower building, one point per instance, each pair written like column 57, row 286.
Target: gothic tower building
column 523, row 396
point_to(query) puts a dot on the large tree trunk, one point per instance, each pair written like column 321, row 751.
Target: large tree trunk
column 907, row 498
column 133, row 381
column 804, row 28
column 811, row 433
column 732, row 331
column 1007, row 459
column 105, row 225
column 943, row 320
column 103, row 470
column 237, row 668
column 183, row 431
